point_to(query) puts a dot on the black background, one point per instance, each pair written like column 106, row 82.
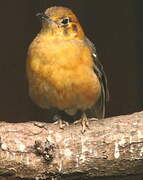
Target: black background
column 114, row 26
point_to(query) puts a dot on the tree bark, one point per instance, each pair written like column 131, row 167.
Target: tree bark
column 110, row 147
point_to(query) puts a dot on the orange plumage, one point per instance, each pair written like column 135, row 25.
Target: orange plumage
column 60, row 66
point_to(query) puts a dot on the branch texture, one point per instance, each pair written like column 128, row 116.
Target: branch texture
column 110, row 147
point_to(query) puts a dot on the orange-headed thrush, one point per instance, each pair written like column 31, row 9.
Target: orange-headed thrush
column 63, row 69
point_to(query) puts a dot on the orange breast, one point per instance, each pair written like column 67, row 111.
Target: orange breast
column 62, row 76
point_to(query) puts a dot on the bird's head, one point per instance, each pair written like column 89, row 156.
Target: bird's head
column 61, row 22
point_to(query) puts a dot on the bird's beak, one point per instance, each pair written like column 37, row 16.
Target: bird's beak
column 43, row 16
column 47, row 22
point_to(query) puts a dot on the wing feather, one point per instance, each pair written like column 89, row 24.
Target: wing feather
column 99, row 108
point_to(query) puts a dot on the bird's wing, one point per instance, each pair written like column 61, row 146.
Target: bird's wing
column 99, row 108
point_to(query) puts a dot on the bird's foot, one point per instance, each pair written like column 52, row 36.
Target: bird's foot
column 58, row 120
column 84, row 122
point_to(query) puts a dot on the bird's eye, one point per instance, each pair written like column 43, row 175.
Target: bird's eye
column 65, row 21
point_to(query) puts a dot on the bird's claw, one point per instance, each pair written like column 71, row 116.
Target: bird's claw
column 84, row 122
column 62, row 124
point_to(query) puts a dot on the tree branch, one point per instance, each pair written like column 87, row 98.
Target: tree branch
column 111, row 147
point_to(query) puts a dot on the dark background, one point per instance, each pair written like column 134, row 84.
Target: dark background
column 116, row 27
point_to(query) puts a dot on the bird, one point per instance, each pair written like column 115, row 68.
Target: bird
column 63, row 69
